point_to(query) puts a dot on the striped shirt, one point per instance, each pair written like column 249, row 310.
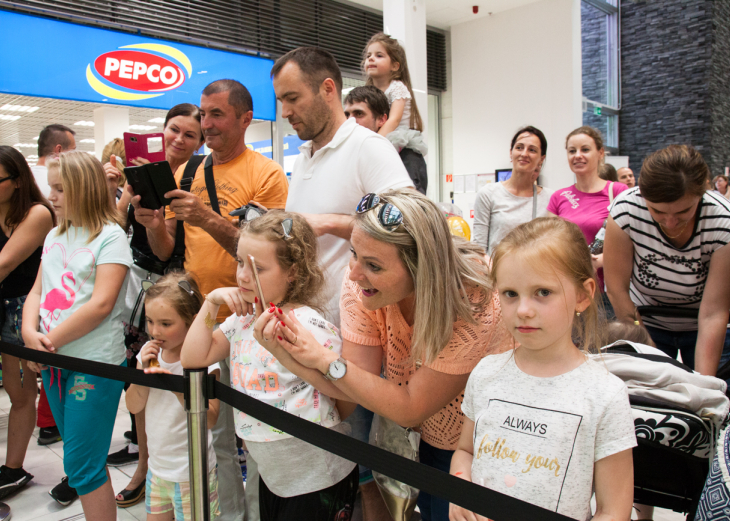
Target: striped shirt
column 663, row 274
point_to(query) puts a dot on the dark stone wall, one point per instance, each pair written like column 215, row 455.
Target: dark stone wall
column 594, row 62
column 666, row 76
column 719, row 153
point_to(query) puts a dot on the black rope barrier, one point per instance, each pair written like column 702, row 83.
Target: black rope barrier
column 475, row 498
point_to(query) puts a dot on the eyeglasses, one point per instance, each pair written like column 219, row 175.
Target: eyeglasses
column 389, row 216
column 183, row 284
column 7, row 179
column 247, row 213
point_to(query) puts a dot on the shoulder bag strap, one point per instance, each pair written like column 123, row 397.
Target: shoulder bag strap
column 210, row 185
column 534, row 199
column 610, row 193
column 189, row 173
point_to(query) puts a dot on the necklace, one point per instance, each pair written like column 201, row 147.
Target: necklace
column 680, row 231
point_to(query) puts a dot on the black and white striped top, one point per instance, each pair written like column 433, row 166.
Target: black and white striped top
column 664, row 275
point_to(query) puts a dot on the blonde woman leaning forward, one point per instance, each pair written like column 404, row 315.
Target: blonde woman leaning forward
column 417, row 303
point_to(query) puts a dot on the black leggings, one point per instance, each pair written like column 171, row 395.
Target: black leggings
column 334, row 503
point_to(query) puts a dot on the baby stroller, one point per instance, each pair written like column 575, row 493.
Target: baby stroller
column 677, row 414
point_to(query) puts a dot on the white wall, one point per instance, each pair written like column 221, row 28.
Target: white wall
column 517, row 67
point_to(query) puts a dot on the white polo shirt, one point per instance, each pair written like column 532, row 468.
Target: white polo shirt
column 333, row 180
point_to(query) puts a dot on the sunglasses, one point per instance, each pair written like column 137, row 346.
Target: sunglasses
column 389, row 216
column 286, row 226
column 183, row 284
column 247, row 213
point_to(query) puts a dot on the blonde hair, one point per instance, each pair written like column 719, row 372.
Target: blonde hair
column 298, row 251
column 168, row 288
column 559, row 245
column 86, row 195
column 616, row 331
column 397, row 55
column 115, row 147
column 441, row 266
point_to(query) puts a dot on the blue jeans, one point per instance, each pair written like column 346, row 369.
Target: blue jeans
column 673, row 342
column 434, row 508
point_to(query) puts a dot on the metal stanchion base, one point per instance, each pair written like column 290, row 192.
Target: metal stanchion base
column 4, row 512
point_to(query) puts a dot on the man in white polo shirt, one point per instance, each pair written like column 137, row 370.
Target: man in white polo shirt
column 340, row 163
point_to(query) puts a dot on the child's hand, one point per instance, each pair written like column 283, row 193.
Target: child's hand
column 301, row 344
column 456, row 513
column 231, row 297
column 156, row 370
column 36, row 368
column 38, row 341
column 266, row 328
column 150, row 351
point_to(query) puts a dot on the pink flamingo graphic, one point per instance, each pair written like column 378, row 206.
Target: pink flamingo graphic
column 56, row 300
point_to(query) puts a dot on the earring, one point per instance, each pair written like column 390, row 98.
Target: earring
column 577, row 314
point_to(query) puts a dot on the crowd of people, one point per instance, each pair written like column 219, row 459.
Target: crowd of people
column 343, row 298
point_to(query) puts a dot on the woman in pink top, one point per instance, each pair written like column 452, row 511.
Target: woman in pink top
column 417, row 305
column 586, row 202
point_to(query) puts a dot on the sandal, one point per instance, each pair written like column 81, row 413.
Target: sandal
column 127, row 498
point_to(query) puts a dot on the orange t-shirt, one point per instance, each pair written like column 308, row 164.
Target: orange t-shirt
column 249, row 177
column 387, row 328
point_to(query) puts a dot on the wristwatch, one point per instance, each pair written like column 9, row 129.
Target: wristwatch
column 337, row 369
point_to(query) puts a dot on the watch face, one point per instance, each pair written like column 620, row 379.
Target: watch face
column 338, row 369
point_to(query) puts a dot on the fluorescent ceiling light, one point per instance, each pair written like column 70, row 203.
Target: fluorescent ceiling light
column 25, row 145
column 36, row 138
column 8, row 117
column 156, row 120
column 87, row 141
column 31, row 157
column 19, row 108
column 141, row 127
column 84, row 123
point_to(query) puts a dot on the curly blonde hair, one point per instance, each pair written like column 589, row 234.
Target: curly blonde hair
column 299, row 251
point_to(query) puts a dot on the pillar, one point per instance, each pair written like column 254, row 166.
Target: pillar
column 109, row 123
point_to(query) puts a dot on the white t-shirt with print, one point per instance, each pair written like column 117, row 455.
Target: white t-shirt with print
column 255, row 372
column 537, row 439
column 333, row 180
column 69, row 272
column 166, row 425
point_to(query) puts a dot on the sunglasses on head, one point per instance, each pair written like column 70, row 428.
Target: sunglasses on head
column 389, row 216
column 183, row 285
column 247, row 213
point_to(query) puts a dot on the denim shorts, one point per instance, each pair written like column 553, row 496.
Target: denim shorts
column 12, row 320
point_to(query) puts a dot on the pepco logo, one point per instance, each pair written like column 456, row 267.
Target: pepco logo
column 146, row 73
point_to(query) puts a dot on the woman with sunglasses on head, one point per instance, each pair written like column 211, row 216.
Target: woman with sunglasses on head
column 666, row 246
column 25, row 220
column 183, row 136
column 417, row 305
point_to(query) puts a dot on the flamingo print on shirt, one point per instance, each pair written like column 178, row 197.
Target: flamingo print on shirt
column 58, row 299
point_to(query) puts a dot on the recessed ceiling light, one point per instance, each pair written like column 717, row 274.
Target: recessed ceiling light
column 87, row 141
column 84, row 123
column 19, row 108
column 156, row 120
column 8, row 117
column 141, row 127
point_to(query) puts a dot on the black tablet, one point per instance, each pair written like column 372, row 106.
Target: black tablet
column 151, row 182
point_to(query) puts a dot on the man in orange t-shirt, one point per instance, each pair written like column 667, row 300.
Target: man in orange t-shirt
column 241, row 176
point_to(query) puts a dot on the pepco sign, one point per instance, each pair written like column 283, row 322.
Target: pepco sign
column 144, row 72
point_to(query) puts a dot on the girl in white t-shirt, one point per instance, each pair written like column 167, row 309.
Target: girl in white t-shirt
column 544, row 422
column 297, row 480
column 386, row 67
column 170, row 307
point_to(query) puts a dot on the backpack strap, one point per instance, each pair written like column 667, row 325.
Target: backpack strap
column 178, row 253
column 210, row 185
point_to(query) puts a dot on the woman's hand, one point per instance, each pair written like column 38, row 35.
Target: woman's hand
column 139, row 161
column 301, row 344
column 150, row 351
column 456, row 513
column 233, row 298
column 35, row 367
column 266, row 328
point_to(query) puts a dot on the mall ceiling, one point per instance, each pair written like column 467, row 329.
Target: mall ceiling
column 445, row 13
column 23, row 117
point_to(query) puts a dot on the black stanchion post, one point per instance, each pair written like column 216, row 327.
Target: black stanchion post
column 196, row 405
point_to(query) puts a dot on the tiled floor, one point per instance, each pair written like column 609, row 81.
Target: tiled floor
column 46, row 464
